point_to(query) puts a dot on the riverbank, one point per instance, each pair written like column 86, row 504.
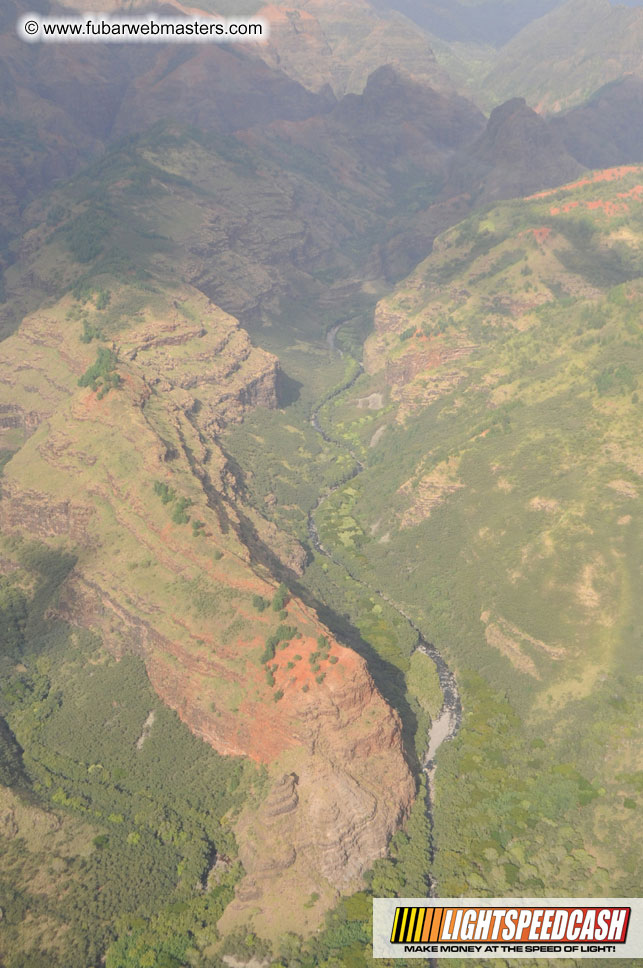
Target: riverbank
column 445, row 727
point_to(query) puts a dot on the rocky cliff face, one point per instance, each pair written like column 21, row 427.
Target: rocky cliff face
column 130, row 475
column 330, row 810
column 340, row 43
column 518, row 153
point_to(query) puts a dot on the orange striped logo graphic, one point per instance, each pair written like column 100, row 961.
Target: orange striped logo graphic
column 417, row 925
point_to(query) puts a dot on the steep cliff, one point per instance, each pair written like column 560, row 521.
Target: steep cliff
column 114, row 422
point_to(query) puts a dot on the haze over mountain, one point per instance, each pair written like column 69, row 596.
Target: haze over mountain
column 405, row 160
column 485, row 21
column 565, row 57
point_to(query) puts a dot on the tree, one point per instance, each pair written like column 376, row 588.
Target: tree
column 281, row 598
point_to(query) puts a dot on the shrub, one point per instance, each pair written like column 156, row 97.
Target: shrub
column 101, row 375
column 164, row 491
column 87, row 234
column 615, row 379
column 90, row 332
column 269, row 652
column 179, row 515
column 281, row 598
column 103, row 299
column 56, row 214
column 285, row 632
column 13, row 619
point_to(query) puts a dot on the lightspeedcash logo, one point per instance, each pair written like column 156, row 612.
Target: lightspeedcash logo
column 501, row 928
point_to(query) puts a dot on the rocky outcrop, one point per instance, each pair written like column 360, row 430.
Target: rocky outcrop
column 324, row 822
column 27, row 510
column 209, row 366
column 400, row 372
column 518, row 153
column 13, row 417
column 135, row 481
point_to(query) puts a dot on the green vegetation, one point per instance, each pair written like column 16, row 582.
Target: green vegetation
column 280, row 598
column 283, row 635
column 616, row 379
column 501, row 512
column 533, row 833
column 13, row 618
column 101, row 375
column 90, row 332
column 86, row 235
column 103, row 298
column 500, row 516
column 145, row 808
column 269, row 652
column 179, row 512
column 5, row 457
column 166, row 493
column 180, row 505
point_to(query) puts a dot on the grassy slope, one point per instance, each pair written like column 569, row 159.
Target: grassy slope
column 587, row 44
column 555, row 62
column 500, row 505
column 503, row 511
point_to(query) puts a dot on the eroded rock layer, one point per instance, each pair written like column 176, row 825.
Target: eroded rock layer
column 113, row 419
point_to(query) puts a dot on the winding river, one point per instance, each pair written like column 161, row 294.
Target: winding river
column 447, row 724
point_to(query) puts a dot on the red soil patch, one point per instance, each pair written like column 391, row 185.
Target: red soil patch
column 89, row 401
column 610, row 208
column 636, row 192
column 302, row 673
column 607, row 175
column 265, row 731
column 541, row 235
column 567, row 207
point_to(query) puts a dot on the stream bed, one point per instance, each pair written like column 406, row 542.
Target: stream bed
column 449, row 719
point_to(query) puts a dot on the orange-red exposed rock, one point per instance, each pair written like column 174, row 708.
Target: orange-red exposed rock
column 181, row 597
